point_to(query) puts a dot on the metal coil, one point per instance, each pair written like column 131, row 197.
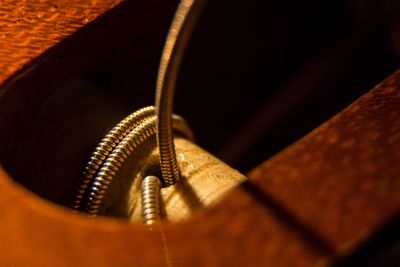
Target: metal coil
column 117, row 146
column 115, row 161
column 179, row 33
column 151, row 211
column 105, row 147
column 109, row 157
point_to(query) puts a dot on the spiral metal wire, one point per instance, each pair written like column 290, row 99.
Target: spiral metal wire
column 113, row 151
column 130, row 133
column 105, row 147
column 151, row 186
column 115, row 161
column 179, row 33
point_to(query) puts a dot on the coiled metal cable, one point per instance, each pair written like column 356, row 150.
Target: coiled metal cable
column 105, row 147
column 151, row 199
column 115, row 161
column 130, row 133
column 113, row 151
column 179, row 33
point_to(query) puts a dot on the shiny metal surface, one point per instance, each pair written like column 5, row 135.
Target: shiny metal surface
column 150, row 189
column 105, row 147
column 179, row 33
column 112, row 152
column 115, row 161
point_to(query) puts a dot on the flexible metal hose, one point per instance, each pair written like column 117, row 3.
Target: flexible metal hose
column 151, row 199
column 144, row 130
column 179, row 33
column 113, row 151
column 105, row 147
column 130, row 133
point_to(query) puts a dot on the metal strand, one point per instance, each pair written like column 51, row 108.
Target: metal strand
column 115, row 160
column 105, row 147
column 174, row 48
column 151, row 186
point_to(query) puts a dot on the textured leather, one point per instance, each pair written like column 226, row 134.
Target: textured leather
column 28, row 28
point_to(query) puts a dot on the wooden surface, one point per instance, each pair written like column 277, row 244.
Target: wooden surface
column 314, row 201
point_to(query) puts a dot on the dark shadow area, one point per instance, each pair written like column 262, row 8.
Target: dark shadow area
column 189, row 195
column 260, row 75
column 381, row 250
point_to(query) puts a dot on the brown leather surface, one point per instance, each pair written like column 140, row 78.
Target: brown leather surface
column 28, row 28
column 317, row 199
column 343, row 178
column 238, row 232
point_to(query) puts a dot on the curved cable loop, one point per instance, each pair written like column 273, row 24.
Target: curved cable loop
column 112, row 151
column 112, row 164
column 104, row 148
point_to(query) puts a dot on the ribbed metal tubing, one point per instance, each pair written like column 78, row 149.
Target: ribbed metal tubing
column 174, row 48
column 144, row 130
column 104, row 148
column 151, row 186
